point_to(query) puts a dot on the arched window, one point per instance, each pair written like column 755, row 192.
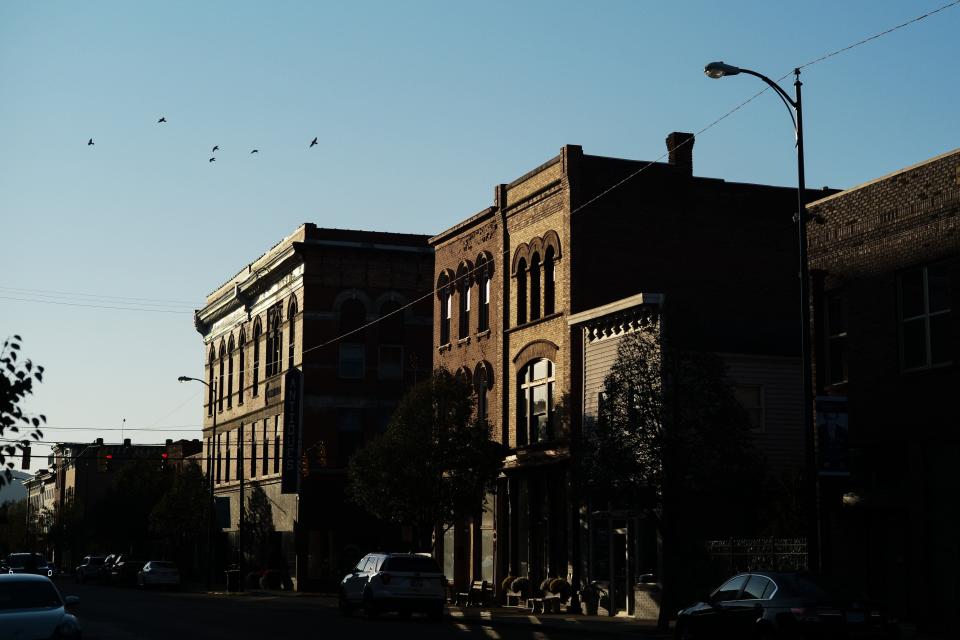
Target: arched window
column 549, row 295
column 242, row 365
column 211, row 381
column 463, row 292
column 480, row 386
column 230, row 349
column 484, row 269
column 391, row 335
column 446, row 307
column 353, row 315
column 535, row 286
column 223, row 355
column 522, row 291
column 535, row 404
column 257, row 330
column 292, row 333
column 274, row 340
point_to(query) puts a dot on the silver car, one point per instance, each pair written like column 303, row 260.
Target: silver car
column 32, row 607
column 401, row 582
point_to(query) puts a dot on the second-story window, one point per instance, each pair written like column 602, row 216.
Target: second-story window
column 256, row 356
column 352, row 364
column 223, row 355
column 549, row 289
column 522, row 291
column 292, row 333
column 535, row 286
column 464, row 290
column 274, row 340
column 230, row 349
column 211, row 382
column 241, row 369
column 446, row 306
column 925, row 336
column 483, row 305
column 836, row 325
column 535, row 406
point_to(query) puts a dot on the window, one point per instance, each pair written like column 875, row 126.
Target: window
column 446, row 309
column 242, row 365
column 756, row 587
column 276, row 443
column 351, row 360
column 292, row 333
column 925, row 318
column 223, row 355
column 226, row 468
column 240, row 452
column 266, row 449
column 522, row 291
column 548, row 282
column 230, row 350
column 253, row 450
column 256, row 356
column 219, row 455
column 274, row 340
column 836, row 325
column 391, row 326
column 481, row 389
column 349, row 434
column 750, row 397
column 210, row 459
column 211, row 382
column 390, row 366
column 535, row 287
column 463, row 287
column 535, row 408
column 730, row 589
column 483, row 312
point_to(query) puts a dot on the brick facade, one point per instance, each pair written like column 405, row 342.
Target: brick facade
column 891, row 524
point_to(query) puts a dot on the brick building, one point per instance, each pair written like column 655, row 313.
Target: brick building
column 577, row 233
column 885, row 260
column 283, row 311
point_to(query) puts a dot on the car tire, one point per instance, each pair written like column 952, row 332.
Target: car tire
column 369, row 609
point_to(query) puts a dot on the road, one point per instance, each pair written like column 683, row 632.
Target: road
column 116, row 613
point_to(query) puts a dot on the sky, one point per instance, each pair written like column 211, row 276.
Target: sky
column 419, row 108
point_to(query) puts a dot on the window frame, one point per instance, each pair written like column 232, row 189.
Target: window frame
column 527, row 387
column 380, row 366
column 835, row 338
column 345, row 347
column 925, row 316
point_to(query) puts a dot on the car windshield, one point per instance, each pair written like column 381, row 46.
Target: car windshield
column 96, row 561
column 35, row 594
column 419, row 564
column 20, row 560
column 157, row 564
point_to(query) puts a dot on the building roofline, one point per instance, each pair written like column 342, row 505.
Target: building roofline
column 635, row 300
column 460, row 226
column 946, row 154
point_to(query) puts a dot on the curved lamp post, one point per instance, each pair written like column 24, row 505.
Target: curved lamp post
column 212, row 386
column 794, row 105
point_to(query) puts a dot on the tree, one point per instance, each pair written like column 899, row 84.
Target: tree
column 180, row 518
column 258, row 526
column 13, row 527
column 433, row 465
column 16, row 383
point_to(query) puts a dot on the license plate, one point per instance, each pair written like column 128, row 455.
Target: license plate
column 856, row 617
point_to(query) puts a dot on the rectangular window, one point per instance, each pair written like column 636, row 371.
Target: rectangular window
column 390, row 366
column 240, row 452
column 464, row 309
column 483, row 319
column 276, row 443
column 352, row 363
column 219, row 455
column 226, row 468
column 836, row 324
column 750, row 397
column 266, row 448
column 445, row 312
column 925, row 318
column 253, row 450
column 210, row 459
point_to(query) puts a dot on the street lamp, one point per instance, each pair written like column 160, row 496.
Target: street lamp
column 719, row 70
column 212, row 386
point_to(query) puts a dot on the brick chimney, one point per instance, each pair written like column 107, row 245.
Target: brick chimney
column 680, row 146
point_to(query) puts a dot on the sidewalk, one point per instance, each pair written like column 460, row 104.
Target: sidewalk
column 589, row 626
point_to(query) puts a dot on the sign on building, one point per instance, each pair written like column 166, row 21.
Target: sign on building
column 292, row 415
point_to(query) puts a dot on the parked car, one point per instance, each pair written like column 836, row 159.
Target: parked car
column 28, row 563
column 125, row 570
column 90, row 569
column 785, row 605
column 401, row 582
column 54, row 569
column 158, row 573
column 32, row 607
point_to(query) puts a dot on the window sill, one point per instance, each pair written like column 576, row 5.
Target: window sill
column 926, row 369
column 483, row 334
column 533, row 323
column 444, row 347
column 463, row 341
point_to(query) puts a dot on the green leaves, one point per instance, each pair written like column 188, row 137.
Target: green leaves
column 16, row 383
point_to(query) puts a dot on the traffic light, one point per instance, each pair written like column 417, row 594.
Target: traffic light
column 163, row 460
column 107, row 462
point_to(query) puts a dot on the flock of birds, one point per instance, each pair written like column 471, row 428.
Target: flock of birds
column 216, row 147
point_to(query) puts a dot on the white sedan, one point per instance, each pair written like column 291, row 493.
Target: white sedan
column 32, row 607
column 158, row 573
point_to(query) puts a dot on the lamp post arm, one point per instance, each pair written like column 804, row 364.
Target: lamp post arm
column 791, row 104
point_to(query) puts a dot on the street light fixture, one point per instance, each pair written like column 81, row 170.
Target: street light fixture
column 212, row 386
column 795, row 106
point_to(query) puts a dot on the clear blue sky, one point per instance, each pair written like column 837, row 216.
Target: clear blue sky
column 420, row 108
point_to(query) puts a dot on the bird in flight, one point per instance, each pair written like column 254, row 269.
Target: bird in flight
column 255, row 151
column 162, row 119
column 90, row 142
column 212, row 160
column 216, row 148
column 314, row 142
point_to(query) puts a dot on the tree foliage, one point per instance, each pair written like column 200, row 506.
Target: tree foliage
column 179, row 518
column 17, row 377
column 258, row 526
column 435, row 462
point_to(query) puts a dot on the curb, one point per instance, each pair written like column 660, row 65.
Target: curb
column 561, row 625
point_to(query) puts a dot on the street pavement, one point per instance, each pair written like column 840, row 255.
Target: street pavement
column 118, row 613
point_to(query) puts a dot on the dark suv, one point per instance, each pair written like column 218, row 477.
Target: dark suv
column 28, row 563
column 90, row 569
